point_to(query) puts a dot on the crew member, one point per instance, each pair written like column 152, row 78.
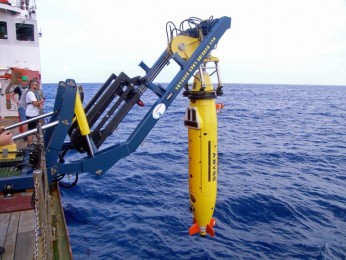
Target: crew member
column 20, row 90
column 40, row 92
column 34, row 105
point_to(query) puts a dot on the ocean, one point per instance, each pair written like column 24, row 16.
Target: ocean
column 281, row 182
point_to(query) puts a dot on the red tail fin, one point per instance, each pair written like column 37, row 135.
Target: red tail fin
column 209, row 227
column 193, row 229
column 212, row 222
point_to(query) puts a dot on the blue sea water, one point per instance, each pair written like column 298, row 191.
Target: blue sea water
column 281, row 182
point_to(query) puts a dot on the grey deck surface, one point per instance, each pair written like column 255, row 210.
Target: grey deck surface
column 17, row 234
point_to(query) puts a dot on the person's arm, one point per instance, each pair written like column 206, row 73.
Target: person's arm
column 12, row 94
column 31, row 98
column 5, row 137
column 38, row 103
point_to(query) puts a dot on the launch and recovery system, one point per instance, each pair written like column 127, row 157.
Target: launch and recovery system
column 72, row 127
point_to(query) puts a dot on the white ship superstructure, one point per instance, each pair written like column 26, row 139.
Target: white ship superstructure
column 19, row 48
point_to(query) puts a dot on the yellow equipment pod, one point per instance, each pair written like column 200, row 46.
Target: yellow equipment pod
column 201, row 120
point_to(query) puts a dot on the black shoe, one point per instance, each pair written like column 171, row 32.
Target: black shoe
column 2, row 250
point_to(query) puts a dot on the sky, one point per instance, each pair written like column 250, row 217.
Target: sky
column 269, row 42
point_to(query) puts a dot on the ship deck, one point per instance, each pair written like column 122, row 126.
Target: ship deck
column 16, row 215
column 17, row 234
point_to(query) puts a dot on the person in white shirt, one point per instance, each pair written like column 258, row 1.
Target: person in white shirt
column 34, row 105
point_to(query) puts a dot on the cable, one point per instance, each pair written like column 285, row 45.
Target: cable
column 59, row 178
